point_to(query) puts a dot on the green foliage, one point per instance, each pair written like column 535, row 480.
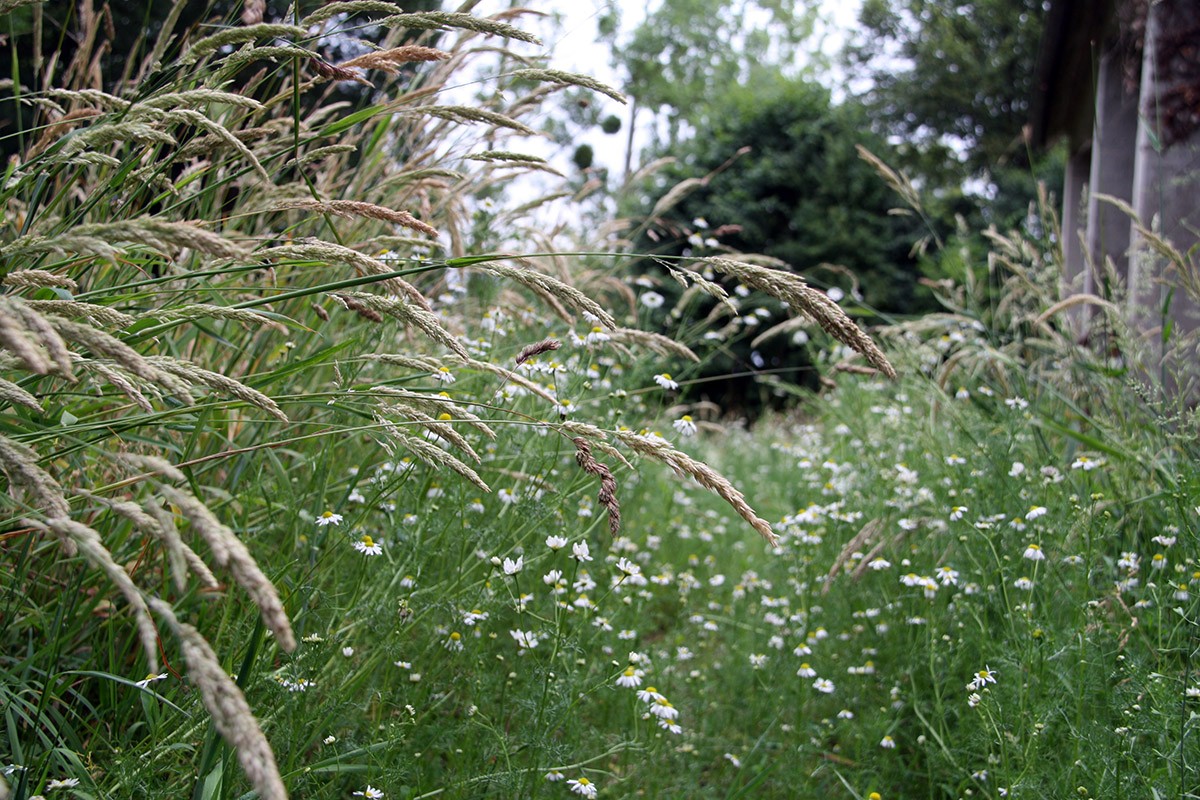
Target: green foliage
column 685, row 48
column 946, row 75
column 215, row 335
column 583, row 156
column 777, row 175
column 800, row 193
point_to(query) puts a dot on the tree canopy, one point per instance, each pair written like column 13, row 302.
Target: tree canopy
column 950, row 79
column 686, row 51
column 799, row 192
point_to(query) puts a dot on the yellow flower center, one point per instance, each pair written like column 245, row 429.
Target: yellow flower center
column 456, row 636
column 368, row 541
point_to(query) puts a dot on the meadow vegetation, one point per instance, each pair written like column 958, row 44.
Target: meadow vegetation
column 329, row 476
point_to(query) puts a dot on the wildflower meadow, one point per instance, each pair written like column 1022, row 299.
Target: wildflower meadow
column 333, row 471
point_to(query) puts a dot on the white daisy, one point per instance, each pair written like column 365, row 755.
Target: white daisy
column 329, row 518
column 368, row 546
column 665, row 381
column 685, row 425
column 582, row 786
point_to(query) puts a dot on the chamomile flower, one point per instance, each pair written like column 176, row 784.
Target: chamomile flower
column 513, row 567
column 628, row 567
column 1024, row 584
column 685, row 425
column 149, row 679
column 887, row 743
column 1087, row 464
column 63, row 783
column 1034, row 512
column 652, row 300
column 649, row 695
column 368, row 546
column 824, row 685
column 526, row 640
column 1159, row 561
column 663, row 709
column 631, row 678
column 982, row 678
column 1016, row 470
column 581, row 552
column 329, row 518
column 596, row 336
column 444, row 375
column 957, row 512
column 454, row 642
column 474, row 617
column 665, row 381
column 370, row 792
column 583, row 786
column 1033, row 552
column 670, row 725
column 556, row 542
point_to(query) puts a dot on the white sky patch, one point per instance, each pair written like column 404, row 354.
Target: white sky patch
column 569, row 36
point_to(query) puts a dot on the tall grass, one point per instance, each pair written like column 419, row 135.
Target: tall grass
column 279, row 466
column 308, row 491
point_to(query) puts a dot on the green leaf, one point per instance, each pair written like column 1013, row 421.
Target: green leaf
column 349, row 121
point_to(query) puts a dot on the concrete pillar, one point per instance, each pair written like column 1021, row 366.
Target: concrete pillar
column 1076, row 275
column 1114, row 131
column 1166, row 190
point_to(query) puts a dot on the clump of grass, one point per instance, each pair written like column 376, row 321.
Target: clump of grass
column 243, row 335
column 405, row 447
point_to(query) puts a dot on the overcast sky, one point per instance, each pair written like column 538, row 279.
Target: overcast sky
column 573, row 47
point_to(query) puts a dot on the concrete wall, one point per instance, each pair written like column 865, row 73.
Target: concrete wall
column 1166, row 197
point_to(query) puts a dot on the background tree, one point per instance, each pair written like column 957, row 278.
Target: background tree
column 950, row 80
column 798, row 193
column 949, row 83
column 686, row 52
column 782, row 178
